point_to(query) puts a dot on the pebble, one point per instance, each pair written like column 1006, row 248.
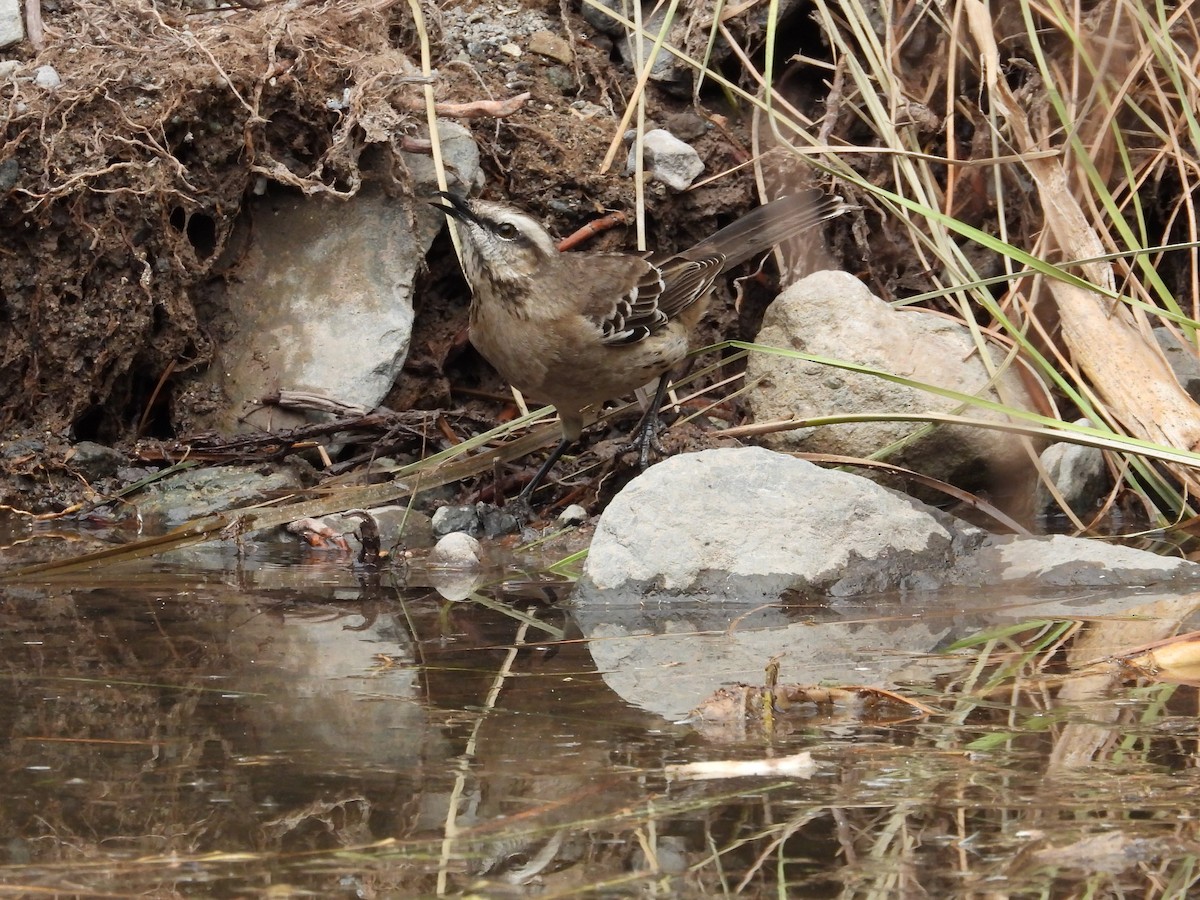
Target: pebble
column 668, row 159
column 602, row 22
column 453, row 519
column 686, row 125
column 96, row 460
column 562, row 78
column 496, row 521
column 45, row 77
column 573, row 515
column 546, row 43
column 10, row 173
column 585, row 109
column 456, row 551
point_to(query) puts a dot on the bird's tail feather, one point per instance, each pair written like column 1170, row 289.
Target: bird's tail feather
column 770, row 224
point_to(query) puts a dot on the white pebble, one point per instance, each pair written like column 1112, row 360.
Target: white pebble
column 46, row 77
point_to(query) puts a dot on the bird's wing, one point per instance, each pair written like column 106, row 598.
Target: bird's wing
column 687, row 278
column 632, row 297
column 623, row 295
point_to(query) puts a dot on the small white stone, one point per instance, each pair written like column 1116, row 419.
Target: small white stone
column 573, row 515
column 46, row 77
column 511, row 49
column 668, row 159
column 457, row 550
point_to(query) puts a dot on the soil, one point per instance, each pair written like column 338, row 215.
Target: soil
column 123, row 187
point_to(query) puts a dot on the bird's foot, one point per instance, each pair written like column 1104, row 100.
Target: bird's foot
column 646, row 440
column 510, row 518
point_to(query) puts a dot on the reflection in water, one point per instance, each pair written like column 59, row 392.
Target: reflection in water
column 224, row 726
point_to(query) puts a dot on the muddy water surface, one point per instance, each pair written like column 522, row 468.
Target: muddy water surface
column 281, row 724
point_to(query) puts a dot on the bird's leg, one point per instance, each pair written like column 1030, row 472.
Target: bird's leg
column 526, row 494
column 647, row 431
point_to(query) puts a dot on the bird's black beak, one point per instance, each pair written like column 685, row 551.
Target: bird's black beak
column 455, row 206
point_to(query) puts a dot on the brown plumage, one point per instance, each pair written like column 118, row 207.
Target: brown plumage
column 576, row 329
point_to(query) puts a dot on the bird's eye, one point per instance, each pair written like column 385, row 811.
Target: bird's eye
column 506, row 230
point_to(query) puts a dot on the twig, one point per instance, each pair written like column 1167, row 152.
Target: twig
column 33, row 24
column 593, row 228
column 473, row 109
column 450, row 831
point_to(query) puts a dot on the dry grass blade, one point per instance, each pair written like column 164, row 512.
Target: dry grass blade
column 1128, row 371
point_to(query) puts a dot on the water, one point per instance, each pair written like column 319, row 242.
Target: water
column 278, row 724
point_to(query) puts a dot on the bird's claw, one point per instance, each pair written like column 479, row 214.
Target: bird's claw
column 646, row 440
column 520, row 508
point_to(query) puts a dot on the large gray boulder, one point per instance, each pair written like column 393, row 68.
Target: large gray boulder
column 832, row 314
column 321, row 300
column 12, row 23
column 749, row 525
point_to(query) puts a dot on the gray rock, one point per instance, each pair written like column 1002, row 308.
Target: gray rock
column 603, row 23
column 95, row 460
column 1059, row 561
column 321, row 302
column 322, row 298
column 12, row 22
column 200, row 492
column 10, row 171
column 667, row 72
column 452, row 519
column 21, row 446
column 589, row 110
column 749, row 525
column 710, row 564
column 456, row 551
column 1182, row 358
column 668, row 159
column 46, row 78
column 1079, row 473
column 562, row 78
column 573, row 515
column 833, row 314
column 496, row 521
column 454, row 567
